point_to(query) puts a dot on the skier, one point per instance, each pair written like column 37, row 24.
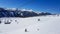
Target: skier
column 38, row 29
column 38, row 19
column 0, row 22
column 25, row 30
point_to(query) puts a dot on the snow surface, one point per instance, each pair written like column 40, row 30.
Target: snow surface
column 46, row 25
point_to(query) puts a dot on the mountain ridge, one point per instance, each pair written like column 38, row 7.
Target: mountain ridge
column 20, row 13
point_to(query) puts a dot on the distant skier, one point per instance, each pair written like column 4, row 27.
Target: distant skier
column 38, row 19
column 0, row 22
column 58, row 15
column 25, row 30
column 16, row 21
column 38, row 29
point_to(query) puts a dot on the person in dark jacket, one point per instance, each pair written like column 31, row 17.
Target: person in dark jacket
column 0, row 22
column 38, row 19
column 25, row 30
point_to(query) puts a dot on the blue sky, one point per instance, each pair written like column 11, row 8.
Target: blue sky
column 52, row 6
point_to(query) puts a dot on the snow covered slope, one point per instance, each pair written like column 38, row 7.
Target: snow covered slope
column 33, row 25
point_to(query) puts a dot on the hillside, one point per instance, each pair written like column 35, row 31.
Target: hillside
column 46, row 25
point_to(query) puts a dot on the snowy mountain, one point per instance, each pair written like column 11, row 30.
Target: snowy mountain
column 40, row 24
column 14, row 12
